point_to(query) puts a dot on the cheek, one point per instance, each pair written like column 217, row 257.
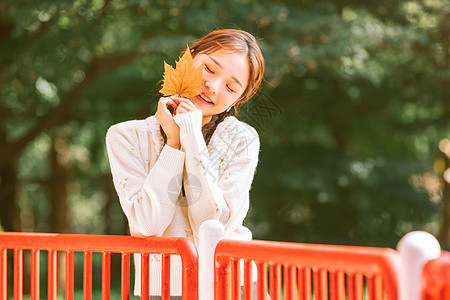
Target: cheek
column 229, row 99
column 205, row 74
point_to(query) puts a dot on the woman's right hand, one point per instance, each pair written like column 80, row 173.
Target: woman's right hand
column 165, row 119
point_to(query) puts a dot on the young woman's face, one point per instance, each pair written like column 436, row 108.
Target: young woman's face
column 225, row 78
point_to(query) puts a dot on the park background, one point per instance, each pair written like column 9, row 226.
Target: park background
column 353, row 116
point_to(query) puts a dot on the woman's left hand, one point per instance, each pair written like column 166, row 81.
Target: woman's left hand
column 184, row 105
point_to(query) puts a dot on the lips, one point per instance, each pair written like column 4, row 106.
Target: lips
column 204, row 99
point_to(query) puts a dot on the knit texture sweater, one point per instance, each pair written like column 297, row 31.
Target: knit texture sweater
column 148, row 177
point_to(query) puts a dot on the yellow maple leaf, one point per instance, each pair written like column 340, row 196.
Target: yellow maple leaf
column 184, row 80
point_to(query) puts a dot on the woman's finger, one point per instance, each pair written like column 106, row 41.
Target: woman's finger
column 168, row 102
column 179, row 100
column 181, row 110
column 186, row 107
column 165, row 102
column 162, row 107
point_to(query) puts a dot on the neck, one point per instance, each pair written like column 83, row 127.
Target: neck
column 206, row 120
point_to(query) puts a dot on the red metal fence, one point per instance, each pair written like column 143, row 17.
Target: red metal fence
column 284, row 270
column 89, row 244
column 306, row 271
column 436, row 278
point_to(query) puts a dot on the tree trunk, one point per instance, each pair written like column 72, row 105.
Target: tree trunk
column 112, row 209
column 445, row 228
column 58, row 193
column 10, row 151
column 59, row 165
column 9, row 210
column 109, row 198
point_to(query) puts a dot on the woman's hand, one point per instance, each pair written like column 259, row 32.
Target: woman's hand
column 165, row 119
column 183, row 105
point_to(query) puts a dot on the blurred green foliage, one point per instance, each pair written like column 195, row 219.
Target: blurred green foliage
column 355, row 102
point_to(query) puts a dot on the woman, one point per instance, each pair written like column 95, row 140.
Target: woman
column 175, row 170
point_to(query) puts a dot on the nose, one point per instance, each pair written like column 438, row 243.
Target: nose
column 211, row 86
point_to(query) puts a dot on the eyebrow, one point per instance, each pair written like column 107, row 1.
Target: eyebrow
column 234, row 78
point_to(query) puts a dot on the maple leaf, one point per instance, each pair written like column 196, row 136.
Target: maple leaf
column 184, row 80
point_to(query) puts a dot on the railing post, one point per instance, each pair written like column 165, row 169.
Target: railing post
column 436, row 278
column 210, row 234
column 416, row 249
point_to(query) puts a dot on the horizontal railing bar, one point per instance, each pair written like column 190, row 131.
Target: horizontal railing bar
column 91, row 242
column 333, row 257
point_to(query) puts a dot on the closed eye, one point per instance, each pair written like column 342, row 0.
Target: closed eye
column 231, row 90
column 208, row 69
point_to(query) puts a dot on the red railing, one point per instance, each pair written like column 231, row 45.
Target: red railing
column 436, row 278
column 319, row 272
column 89, row 244
column 284, row 270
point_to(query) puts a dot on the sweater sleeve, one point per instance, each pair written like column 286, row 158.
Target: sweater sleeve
column 148, row 198
column 226, row 198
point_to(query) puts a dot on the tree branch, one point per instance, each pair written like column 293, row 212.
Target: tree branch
column 96, row 67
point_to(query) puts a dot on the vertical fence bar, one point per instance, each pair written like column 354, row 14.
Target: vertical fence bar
column 18, row 274
column 35, row 274
column 106, row 275
column 52, row 289
column 379, row 289
column 316, row 286
column 3, row 274
column 307, row 292
column 236, row 278
column 332, row 285
column 350, row 287
column 248, row 280
column 165, row 280
column 375, row 287
column 145, row 276
column 369, row 290
column 323, row 284
column 70, row 275
column 125, row 276
column 300, row 282
column 340, row 285
column 262, row 281
column 222, row 278
column 87, row 275
column 289, row 280
column 275, row 281
column 359, row 286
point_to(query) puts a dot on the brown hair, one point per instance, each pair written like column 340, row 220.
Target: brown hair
column 237, row 41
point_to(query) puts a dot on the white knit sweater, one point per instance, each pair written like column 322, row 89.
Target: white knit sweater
column 147, row 176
